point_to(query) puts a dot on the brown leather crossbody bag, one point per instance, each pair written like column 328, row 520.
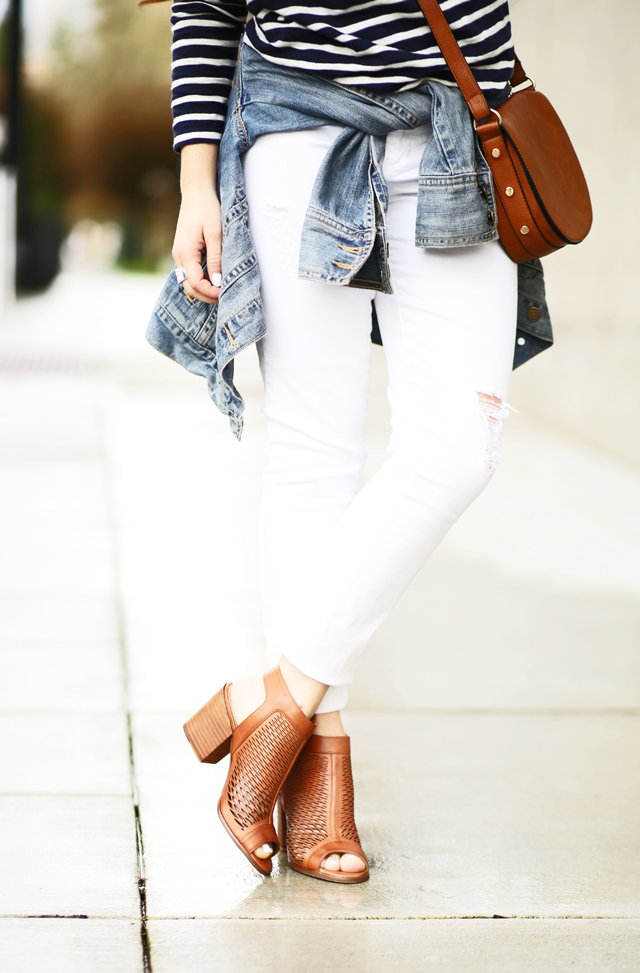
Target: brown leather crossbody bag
column 542, row 198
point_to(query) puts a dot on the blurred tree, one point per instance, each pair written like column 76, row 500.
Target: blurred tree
column 127, row 42
column 35, row 151
column 113, row 88
column 41, row 191
column 3, row 84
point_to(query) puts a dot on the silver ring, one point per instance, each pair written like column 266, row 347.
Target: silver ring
column 181, row 274
column 216, row 280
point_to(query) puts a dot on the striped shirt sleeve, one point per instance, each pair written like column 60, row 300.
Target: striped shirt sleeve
column 380, row 45
column 204, row 53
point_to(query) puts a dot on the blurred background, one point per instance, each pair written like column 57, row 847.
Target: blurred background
column 509, row 672
column 98, row 180
column 92, row 143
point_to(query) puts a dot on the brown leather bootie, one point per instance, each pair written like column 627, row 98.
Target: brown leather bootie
column 264, row 748
column 315, row 812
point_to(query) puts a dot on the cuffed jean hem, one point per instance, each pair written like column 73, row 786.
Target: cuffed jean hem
column 335, row 698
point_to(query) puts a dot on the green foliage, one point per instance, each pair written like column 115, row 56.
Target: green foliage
column 43, row 184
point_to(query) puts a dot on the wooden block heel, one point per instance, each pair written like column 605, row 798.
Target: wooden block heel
column 209, row 730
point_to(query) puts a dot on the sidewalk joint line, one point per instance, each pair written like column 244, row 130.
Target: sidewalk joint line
column 111, row 505
column 455, row 917
column 501, row 711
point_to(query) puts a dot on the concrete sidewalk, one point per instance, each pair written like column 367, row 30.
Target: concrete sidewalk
column 495, row 728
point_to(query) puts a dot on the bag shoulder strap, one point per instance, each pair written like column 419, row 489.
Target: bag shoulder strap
column 457, row 63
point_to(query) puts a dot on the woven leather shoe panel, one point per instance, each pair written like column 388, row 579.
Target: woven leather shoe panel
column 308, row 796
column 260, row 765
column 319, row 802
column 348, row 828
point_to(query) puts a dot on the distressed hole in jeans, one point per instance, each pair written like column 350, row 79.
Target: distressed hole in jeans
column 285, row 239
column 493, row 413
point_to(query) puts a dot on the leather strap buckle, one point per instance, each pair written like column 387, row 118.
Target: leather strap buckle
column 523, row 84
column 484, row 122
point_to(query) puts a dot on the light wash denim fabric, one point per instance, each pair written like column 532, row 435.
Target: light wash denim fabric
column 344, row 238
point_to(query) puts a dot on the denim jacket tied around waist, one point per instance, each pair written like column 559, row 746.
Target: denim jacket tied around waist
column 346, row 214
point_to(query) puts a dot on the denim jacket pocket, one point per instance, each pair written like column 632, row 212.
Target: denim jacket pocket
column 196, row 318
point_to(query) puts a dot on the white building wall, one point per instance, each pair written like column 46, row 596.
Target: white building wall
column 583, row 56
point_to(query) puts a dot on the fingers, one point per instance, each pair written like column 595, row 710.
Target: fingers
column 199, row 227
column 214, row 261
column 213, row 243
column 197, row 285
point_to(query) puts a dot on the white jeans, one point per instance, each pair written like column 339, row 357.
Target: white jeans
column 334, row 559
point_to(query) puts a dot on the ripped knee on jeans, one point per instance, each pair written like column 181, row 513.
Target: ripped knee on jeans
column 493, row 412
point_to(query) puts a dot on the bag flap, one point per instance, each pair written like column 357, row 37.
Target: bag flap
column 534, row 129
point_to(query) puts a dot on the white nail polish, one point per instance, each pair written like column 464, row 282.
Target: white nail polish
column 216, row 280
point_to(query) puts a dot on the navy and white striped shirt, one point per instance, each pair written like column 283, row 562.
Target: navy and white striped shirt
column 383, row 45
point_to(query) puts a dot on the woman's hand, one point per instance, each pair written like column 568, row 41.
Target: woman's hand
column 199, row 222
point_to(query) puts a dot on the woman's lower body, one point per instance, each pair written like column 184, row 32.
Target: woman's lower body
column 334, row 558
